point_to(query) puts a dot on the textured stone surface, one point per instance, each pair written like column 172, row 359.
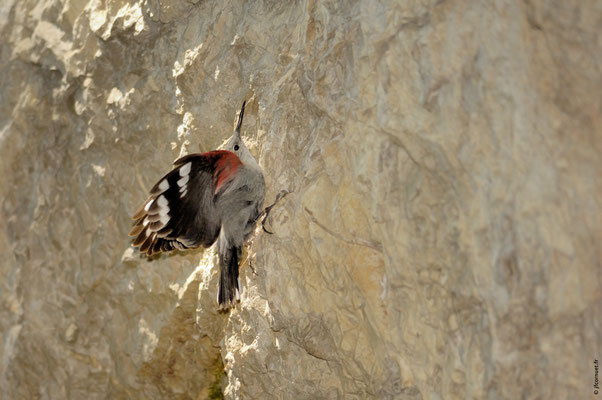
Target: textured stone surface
column 443, row 237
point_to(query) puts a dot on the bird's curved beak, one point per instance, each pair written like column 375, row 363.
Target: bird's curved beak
column 240, row 116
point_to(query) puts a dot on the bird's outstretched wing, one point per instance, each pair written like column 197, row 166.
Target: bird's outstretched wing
column 180, row 212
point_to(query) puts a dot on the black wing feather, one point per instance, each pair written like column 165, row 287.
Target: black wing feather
column 191, row 219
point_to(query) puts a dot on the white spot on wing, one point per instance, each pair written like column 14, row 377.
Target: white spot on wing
column 163, row 211
column 185, row 169
column 146, row 221
column 183, row 194
column 162, row 201
column 164, row 220
column 148, row 205
column 183, row 181
column 164, row 185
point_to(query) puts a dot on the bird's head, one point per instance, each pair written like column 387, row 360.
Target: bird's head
column 236, row 145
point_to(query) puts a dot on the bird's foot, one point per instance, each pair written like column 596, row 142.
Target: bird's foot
column 267, row 210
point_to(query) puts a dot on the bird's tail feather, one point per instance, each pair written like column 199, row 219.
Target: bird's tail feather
column 228, row 290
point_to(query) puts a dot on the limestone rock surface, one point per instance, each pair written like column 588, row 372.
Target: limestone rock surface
column 443, row 237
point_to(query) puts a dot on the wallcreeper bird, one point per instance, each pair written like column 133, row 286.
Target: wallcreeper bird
column 208, row 196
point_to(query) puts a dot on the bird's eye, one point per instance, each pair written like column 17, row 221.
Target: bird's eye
column 236, row 147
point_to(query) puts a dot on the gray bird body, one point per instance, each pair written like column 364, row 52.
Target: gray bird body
column 240, row 207
column 215, row 195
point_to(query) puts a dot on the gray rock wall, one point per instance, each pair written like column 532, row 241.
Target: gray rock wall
column 443, row 240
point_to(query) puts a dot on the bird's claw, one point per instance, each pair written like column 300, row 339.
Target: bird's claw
column 265, row 230
column 267, row 210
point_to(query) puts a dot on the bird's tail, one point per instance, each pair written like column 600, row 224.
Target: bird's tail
column 228, row 290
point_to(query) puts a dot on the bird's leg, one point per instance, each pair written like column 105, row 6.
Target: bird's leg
column 265, row 213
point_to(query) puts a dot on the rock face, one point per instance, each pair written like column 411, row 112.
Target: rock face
column 443, row 238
